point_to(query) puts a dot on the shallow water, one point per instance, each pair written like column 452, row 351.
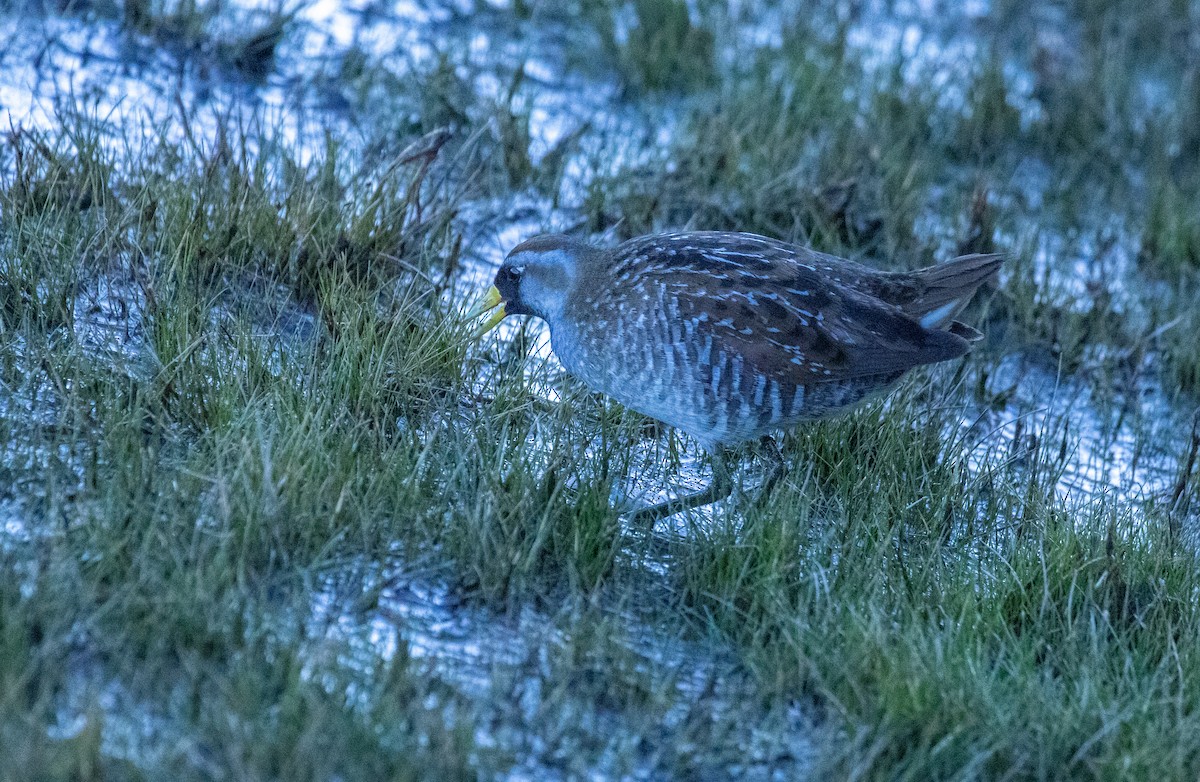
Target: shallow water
column 1127, row 449
column 502, row 664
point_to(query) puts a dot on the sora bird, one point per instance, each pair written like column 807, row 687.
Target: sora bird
column 730, row 336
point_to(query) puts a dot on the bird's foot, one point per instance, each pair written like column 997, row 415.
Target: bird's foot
column 720, row 488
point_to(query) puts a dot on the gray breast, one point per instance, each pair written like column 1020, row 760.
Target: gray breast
column 644, row 350
column 644, row 358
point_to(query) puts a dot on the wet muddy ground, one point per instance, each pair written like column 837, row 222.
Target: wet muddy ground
column 268, row 513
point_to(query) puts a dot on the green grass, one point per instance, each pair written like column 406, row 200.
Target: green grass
column 188, row 28
column 780, row 149
column 663, row 47
column 955, row 644
column 1171, row 241
column 298, row 420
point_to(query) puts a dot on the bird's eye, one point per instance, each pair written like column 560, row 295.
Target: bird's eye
column 515, row 272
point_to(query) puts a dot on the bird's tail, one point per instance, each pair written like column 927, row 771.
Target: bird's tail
column 947, row 287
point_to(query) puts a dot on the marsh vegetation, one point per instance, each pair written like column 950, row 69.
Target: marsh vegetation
column 269, row 513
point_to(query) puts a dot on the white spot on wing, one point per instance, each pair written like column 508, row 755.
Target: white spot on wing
column 932, row 318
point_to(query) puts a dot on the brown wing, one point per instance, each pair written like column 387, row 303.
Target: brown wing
column 786, row 318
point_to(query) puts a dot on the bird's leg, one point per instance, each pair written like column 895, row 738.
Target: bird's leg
column 720, row 488
column 777, row 469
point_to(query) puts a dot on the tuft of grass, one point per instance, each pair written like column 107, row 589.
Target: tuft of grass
column 997, row 678
column 200, row 30
column 1180, row 351
column 1171, row 237
column 781, row 150
column 533, row 519
column 253, row 53
column 191, row 487
column 35, row 659
column 660, row 47
column 955, row 646
column 990, row 122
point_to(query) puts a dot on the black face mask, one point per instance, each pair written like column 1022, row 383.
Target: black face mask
column 508, row 282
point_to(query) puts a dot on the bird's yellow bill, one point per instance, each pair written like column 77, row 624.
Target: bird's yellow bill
column 493, row 303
